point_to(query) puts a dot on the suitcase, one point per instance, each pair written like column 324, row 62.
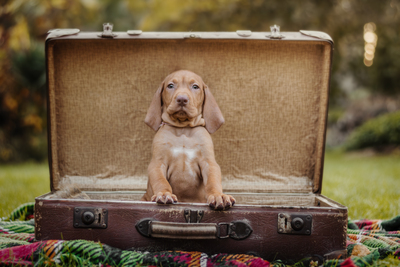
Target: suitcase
column 272, row 88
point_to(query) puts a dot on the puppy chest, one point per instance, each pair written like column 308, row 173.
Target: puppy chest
column 183, row 164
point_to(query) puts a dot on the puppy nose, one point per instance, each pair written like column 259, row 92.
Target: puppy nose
column 182, row 100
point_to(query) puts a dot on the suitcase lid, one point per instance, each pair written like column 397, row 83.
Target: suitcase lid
column 271, row 89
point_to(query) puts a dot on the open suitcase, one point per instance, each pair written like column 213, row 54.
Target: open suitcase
column 273, row 91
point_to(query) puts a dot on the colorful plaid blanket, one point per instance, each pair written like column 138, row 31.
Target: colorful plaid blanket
column 367, row 242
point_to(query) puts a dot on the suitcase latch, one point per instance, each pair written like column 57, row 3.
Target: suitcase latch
column 89, row 217
column 275, row 33
column 107, row 31
column 193, row 216
column 295, row 224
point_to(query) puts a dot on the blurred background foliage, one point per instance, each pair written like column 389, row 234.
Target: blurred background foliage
column 365, row 74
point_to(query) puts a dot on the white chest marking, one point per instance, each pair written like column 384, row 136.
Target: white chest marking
column 190, row 155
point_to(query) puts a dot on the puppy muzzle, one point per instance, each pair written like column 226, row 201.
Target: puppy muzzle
column 182, row 100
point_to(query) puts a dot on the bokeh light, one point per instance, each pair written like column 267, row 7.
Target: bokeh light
column 369, row 48
column 371, row 40
column 370, row 37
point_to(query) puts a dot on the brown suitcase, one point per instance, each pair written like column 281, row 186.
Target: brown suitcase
column 273, row 92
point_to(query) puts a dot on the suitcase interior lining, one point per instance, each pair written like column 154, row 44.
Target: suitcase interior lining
column 287, row 200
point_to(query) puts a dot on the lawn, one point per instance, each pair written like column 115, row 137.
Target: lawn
column 368, row 185
column 22, row 183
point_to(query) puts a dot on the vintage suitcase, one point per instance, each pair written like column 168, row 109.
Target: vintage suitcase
column 273, row 91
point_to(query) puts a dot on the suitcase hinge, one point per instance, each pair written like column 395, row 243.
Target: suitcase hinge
column 295, row 224
column 193, row 216
column 89, row 217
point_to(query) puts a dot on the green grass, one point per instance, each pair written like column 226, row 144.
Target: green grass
column 368, row 185
column 21, row 183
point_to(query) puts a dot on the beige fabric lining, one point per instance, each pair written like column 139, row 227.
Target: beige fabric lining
column 273, row 95
column 243, row 199
column 287, row 200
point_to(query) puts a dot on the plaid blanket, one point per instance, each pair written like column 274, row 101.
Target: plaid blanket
column 367, row 242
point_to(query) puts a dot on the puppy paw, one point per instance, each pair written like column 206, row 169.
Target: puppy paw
column 164, row 198
column 220, row 201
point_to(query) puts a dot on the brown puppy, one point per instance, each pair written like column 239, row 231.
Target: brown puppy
column 183, row 167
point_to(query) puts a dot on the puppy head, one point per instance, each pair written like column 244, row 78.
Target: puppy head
column 183, row 99
column 183, row 96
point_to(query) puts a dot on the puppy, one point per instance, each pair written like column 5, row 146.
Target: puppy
column 184, row 113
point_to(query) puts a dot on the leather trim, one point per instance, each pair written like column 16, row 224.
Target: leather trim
column 289, row 36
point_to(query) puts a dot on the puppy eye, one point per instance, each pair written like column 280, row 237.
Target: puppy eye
column 170, row 86
column 195, row 86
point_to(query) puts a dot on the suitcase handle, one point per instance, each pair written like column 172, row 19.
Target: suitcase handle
column 150, row 228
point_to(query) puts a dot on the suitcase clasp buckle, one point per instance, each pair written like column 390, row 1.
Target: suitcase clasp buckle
column 193, row 216
column 228, row 230
column 238, row 230
column 275, row 32
column 107, row 31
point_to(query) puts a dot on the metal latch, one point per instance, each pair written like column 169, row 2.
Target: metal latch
column 193, row 216
column 89, row 217
column 275, row 33
column 107, row 31
column 244, row 33
column 237, row 230
column 296, row 224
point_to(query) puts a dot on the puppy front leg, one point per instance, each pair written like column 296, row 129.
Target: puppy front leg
column 212, row 181
column 161, row 189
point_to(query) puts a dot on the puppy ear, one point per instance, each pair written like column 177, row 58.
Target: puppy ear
column 211, row 113
column 153, row 117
